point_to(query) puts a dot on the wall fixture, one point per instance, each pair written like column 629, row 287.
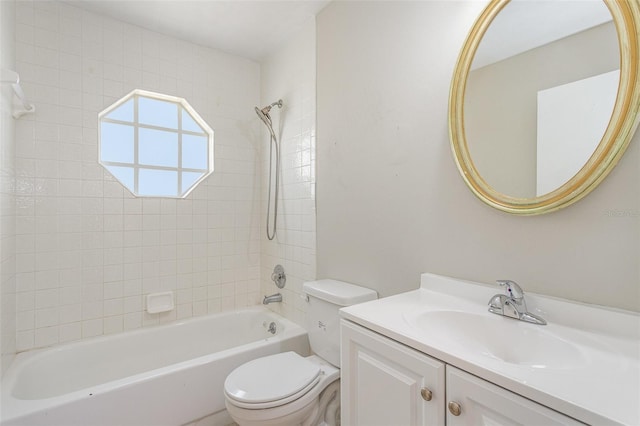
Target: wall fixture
column 472, row 132
column 278, row 276
column 274, row 151
column 20, row 105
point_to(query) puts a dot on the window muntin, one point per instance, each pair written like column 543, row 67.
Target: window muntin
column 156, row 145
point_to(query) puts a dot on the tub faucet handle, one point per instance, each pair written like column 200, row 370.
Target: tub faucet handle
column 278, row 276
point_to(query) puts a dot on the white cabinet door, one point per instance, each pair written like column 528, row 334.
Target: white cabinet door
column 484, row 404
column 383, row 382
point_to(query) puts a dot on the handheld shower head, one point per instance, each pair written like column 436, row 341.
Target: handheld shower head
column 263, row 114
column 265, row 117
column 266, row 109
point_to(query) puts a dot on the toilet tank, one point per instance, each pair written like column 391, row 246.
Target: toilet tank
column 326, row 297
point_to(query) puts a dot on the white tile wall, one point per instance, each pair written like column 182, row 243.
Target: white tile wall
column 290, row 74
column 87, row 252
column 7, row 194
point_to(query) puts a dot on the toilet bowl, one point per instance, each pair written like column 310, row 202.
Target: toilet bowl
column 287, row 388
column 284, row 389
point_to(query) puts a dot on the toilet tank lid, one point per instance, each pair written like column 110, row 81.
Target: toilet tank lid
column 338, row 292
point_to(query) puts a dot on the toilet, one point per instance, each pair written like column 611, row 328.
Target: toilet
column 288, row 389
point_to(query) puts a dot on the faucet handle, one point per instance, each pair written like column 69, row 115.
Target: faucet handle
column 513, row 290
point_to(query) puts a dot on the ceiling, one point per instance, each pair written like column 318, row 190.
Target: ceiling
column 255, row 28
column 247, row 28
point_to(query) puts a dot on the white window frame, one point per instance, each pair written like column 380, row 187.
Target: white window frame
column 182, row 104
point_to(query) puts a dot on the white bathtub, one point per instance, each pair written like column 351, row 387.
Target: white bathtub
column 165, row 375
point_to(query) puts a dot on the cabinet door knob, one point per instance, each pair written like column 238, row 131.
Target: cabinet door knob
column 454, row 408
column 426, row 394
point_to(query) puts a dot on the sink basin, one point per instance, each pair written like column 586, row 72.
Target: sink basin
column 506, row 339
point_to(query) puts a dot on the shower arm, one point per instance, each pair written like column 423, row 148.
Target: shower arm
column 266, row 109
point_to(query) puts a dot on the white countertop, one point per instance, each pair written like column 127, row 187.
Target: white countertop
column 597, row 381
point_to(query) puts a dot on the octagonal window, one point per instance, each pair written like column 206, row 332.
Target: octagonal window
column 156, row 145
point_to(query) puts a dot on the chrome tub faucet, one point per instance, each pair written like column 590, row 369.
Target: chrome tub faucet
column 271, row 299
column 512, row 304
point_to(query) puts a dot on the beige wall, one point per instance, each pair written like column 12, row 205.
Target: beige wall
column 7, row 194
column 390, row 201
column 501, row 103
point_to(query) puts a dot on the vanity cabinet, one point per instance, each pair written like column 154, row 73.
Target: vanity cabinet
column 483, row 403
column 387, row 383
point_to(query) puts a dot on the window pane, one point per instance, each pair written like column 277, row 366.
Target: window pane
column 123, row 113
column 157, row 182
column 188, row 179
column 154, row 146
column 116, row 143
column 123, row 174
column 157, row 113
column 194, row 152
column 157, row 148
column 189, row 124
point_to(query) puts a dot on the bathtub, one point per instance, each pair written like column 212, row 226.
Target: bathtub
column 166, row 375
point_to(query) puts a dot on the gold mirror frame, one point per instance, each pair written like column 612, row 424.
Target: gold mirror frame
column 623, row 123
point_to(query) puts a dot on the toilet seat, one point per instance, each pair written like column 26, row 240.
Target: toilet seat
column 271, row 381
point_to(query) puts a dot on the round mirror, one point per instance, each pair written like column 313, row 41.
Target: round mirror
column 545, row 100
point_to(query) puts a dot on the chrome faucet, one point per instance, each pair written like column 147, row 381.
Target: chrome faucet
column 512, row 304
column 273, row 298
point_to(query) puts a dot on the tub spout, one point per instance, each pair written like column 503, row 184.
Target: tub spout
column 273, row 298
